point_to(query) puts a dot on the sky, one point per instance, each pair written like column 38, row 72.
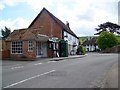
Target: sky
column 83, row 15
column 119, row 12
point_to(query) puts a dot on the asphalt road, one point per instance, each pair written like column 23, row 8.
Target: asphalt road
column 82, row 72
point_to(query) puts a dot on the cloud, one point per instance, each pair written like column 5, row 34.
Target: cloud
column 39, row 4
column 83, row 15
column 15, row 24
column 86, row 15
column 119, row 13
column 4, row 3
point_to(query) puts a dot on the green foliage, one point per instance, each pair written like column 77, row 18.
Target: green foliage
column 118, row 38
column 82, row 40
column 106, row 40
column 108, row 26
column 5, row 32
column 81, row 50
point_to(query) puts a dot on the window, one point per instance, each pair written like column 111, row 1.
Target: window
column 16, row 47
column 30, row 46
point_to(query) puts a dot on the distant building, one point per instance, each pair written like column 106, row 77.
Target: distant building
column 41, row 38
column 90, row 44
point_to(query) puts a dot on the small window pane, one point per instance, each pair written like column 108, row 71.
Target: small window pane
column 16, row 47
column 30, row 46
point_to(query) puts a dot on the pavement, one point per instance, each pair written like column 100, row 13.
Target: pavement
column 45, row 59
column 65, row 72
column 111, row 79
column 61, row 58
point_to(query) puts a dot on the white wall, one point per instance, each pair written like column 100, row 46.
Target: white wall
column 71, row 40
column 90, row 47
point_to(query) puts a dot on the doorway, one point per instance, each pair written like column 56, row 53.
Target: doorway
column 41, row 49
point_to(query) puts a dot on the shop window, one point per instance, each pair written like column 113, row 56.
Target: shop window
column 16, row 47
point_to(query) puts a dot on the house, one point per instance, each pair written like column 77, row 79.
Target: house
column 90, row 44
column 41, row 38
column 4, row 53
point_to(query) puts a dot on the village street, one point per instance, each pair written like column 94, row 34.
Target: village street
column 84, row 72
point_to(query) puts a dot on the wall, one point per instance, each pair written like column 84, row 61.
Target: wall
column 50, row 27
column 90, row 48
column 26, row 53
column 115, row 49
column 5, row 50
column 25, row 50
column 71, row 39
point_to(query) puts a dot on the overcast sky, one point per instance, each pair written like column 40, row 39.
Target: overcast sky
column 83, row 15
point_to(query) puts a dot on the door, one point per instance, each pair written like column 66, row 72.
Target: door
column 41, row 49
column 44, row 49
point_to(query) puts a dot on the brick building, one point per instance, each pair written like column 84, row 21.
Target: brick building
column 35, row 41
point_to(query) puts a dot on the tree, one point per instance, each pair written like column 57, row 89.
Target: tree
column 106, row 40
column 5, row 32
column 81, row 50
column 108, row 26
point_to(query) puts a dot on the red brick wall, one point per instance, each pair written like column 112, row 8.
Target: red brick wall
column 45, row 21
column 8, row 45
column 5, row 54
column 26, row 53
column 6, row 50
column 25, row 50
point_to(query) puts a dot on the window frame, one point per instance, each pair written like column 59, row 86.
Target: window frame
column 30, row 45
column 17, row 49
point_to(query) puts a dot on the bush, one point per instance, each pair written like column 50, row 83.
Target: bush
column 118, row 38
column 81, row 50
column 106, row 40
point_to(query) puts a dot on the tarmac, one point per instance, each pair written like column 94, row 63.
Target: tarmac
column 110, row 80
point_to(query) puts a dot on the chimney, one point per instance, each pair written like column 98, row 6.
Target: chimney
column 67, row 24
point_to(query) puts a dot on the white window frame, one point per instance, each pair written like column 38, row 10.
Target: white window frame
column 30, row 46
column 16, row 47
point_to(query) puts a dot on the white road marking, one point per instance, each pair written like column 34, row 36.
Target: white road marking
column 37, row 63
column 18, row 64
column 28, row 79
column 51, row 61
column 17, row 67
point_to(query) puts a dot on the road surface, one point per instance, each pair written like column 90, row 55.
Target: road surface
column 85, row 72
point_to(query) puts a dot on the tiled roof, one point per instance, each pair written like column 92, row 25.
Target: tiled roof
column 90, row 42
column 62, row 25
column 25, row 34
column 16, row 35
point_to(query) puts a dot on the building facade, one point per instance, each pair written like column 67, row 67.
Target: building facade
column 41, row 38
column 91, row 45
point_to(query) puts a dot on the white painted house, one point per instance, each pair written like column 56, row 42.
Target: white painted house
column 72, row 43
column 91, row 45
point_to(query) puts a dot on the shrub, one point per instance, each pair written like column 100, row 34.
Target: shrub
column 118, row 37
column 106, row 40
column 81, row 50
